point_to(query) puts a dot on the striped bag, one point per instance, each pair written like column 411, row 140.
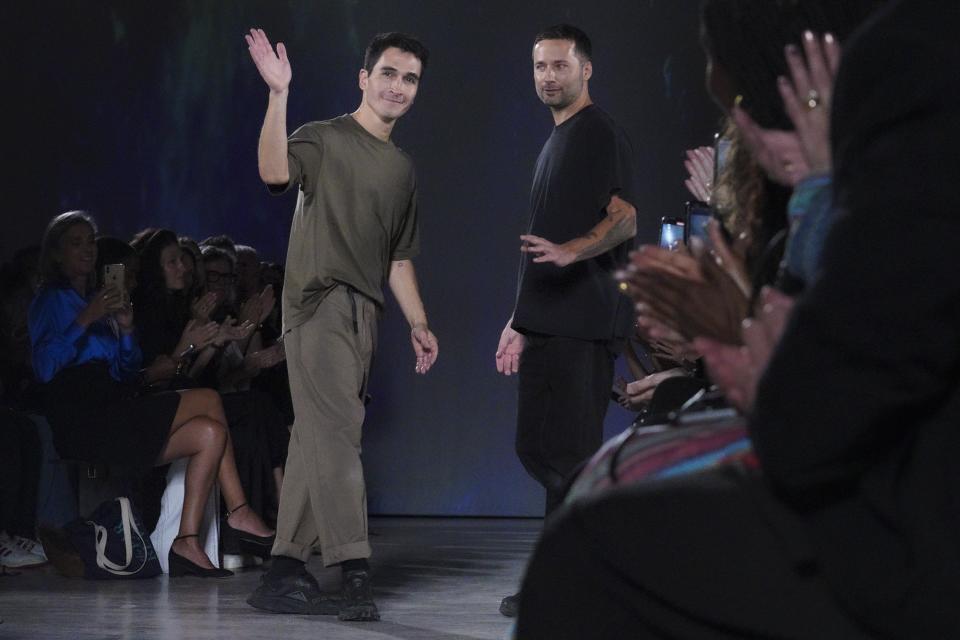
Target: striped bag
column 700, row 441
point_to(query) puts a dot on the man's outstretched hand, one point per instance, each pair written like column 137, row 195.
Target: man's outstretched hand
column 274, row 68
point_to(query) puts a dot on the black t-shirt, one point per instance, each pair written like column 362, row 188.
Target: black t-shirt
column 586, row 160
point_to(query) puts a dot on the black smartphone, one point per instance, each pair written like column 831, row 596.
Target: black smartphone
column 697, row 214
column 671, row 233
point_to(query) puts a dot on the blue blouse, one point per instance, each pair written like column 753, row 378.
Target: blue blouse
column 59, row 342
column 811, row 215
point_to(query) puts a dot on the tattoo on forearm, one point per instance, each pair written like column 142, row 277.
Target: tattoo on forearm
column 619, row 227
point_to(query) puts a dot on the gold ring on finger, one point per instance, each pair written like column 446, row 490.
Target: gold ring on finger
column 813, row 99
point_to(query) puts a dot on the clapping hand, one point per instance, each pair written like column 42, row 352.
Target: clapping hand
column 737, row 369
column 264, row 358
column 807, row 99
column 274, row 68
column 789, row 156
column 230, row 330
column 700, row 165
column 689, row 295
column 203, row 306
column 257, row 308
column 197, row 333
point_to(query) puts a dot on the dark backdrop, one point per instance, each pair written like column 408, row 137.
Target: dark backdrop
column 148, row 114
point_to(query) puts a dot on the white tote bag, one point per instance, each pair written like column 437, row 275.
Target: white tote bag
column 171, row 506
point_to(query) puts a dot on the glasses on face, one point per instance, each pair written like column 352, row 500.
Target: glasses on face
column 217, row 276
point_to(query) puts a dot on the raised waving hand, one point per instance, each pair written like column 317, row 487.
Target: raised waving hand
column 274, row 67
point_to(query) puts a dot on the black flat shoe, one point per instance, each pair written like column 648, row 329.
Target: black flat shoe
column 179, row 566
column 250, row 544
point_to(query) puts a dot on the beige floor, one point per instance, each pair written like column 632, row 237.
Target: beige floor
column 436, row 579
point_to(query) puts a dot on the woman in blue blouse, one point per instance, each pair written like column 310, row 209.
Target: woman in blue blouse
column 85, row 350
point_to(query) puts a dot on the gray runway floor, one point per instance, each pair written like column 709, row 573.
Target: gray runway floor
column 436, row 579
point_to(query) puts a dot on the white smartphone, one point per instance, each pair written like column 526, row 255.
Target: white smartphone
column 114, row 275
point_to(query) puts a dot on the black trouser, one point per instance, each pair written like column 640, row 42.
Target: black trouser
column 19, row 473
column 711, row 555
column 564, row 392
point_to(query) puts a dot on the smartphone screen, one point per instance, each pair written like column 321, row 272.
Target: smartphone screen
column 671, row 233
column 698, row 215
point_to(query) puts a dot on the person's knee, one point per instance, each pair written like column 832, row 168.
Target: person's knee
column 211, row 401
column 213, row 435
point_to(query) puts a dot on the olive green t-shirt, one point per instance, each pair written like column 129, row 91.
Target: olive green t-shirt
column 356, row 212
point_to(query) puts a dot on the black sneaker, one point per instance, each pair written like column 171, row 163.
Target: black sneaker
column 356, row 604
column 298, row 593
column 510, row 605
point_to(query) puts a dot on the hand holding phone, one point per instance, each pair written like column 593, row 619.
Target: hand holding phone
column 671, row 233
column 698, row 214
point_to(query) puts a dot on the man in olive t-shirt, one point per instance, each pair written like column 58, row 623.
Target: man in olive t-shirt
column 355, row 227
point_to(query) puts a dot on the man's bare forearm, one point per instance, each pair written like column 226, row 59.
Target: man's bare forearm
column 272, row 148
column 403, row 284
column 619, row 225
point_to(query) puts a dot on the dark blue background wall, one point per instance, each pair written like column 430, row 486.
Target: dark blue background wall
column 148, row 114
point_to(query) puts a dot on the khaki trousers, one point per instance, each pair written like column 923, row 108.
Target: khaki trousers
column 324, row 500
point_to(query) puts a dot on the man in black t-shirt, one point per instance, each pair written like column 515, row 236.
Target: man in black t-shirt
column 569, row 315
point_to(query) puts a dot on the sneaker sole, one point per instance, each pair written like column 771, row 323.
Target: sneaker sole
column 283, row 604
column 25, row 564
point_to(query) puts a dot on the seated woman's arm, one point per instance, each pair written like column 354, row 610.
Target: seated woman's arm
column 129, row 358
column 54, row 332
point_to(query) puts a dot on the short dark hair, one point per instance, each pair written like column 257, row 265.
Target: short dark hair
column 51, row 274
column 403, row 41
column 580, row 40
column 223, row 241
column 150, row 244
column 212, row 253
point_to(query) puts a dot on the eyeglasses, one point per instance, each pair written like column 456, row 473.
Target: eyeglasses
column 217, row 276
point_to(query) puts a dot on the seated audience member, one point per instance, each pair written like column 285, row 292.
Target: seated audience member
column 257, row 429
column 84, row 349
column 223, row 242
column 849, row 531
column 173, row 325
column 248, row 273
column 195, row 278
column 19, row 474
column 243, row 360
column 18, row 284
column 681, row 299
